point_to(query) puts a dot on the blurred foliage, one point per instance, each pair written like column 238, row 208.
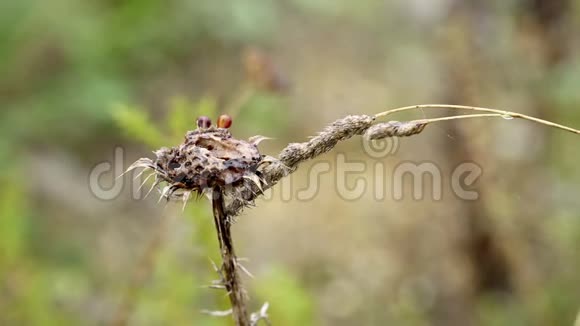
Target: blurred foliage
column 13, row 226
column 65, row 73
column 289, row 303
column 79, row 77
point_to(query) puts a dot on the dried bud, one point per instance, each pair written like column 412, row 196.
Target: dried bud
column 224, row 121
column 203, row 122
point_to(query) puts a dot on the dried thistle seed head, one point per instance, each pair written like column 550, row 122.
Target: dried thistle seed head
column 208, row 158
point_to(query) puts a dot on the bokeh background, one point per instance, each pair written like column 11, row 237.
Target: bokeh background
column 81, row 78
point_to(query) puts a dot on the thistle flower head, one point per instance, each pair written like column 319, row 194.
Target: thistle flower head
column 209, row 157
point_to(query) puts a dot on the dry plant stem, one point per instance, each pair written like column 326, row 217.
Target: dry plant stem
column 458, row 117
column 230, row 277
column 481, row 109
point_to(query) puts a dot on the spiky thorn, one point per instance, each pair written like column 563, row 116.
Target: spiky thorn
column 156, row 182
column 217, row 313
column 214, row 286
column 244, row 269
column 145, row 181
column 262, row 314
column 215, row 267
column 186, row 196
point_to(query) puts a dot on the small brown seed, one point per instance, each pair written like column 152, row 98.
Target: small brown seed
column 224, row 121
column 203, row 122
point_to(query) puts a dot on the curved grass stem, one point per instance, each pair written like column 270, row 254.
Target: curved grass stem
column 502, row 113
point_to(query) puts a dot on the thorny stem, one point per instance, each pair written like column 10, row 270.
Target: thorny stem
column 475, row 108
column 229, row 272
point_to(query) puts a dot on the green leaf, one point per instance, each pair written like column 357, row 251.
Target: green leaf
column 137, row 124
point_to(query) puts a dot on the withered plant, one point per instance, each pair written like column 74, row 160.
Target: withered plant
column 232, row 173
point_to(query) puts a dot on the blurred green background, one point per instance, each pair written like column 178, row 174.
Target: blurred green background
column 81, row 78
